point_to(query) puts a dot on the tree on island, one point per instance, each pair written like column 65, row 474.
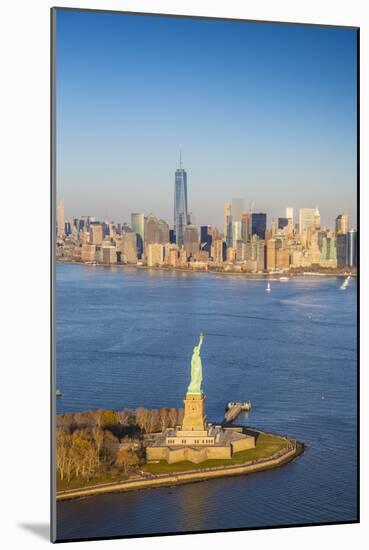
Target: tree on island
column 127, row 458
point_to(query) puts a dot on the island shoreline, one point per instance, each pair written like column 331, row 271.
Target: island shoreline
column 293, row 449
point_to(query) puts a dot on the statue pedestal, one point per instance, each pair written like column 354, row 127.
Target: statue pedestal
column 194, row 418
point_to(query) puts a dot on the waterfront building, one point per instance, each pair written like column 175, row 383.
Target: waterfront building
column 352, row 248
column 155, row 254
column 183, row 257
column 231, row 254
column 96, row 234
column 138, row 227
column 228, row 223
column 201, row 256
column 342, row 250
column 271, row 254
column 218, row 251
column 329, row 251
column 246, row 226
column 306, row 219
column 180, row 203
column 60, row 219
column 240, row 251
column 88, row 253
column 128, row 247
column 342, row 223
column 315, row 248
column 171, row 255
column 258, row 252
column 191, row 240
column 109, row 253
column 258, row 224
column 283, row 258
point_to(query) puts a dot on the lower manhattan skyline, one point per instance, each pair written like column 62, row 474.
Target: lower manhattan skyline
column 269, row 116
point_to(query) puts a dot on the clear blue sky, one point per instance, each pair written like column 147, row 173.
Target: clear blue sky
column 261, row 111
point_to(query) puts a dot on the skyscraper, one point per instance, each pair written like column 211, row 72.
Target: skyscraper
column 237, row 208
column 342, row 222
column 245, row 226
column 342, row 249
column 129, row 247
column 236, row 232
column 317, row 218
column 191, row 240
column 156, row 231
column 180, row 203
column 138, row 227
column 228, row 223
column 60, row 219
column 289, row 213
column 258, row 224
column 307, row 218
column 352, row 247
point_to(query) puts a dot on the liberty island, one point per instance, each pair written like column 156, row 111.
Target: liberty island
column 218, row 449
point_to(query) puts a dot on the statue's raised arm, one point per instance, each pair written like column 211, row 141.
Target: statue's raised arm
column 201, row 339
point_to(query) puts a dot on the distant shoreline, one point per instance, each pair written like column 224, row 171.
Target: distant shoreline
column 211, row 271
column 293, row 449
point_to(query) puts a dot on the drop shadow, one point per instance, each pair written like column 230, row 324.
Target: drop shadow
column 42, row 530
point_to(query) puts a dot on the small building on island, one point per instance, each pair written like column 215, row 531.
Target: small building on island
column 198, row 440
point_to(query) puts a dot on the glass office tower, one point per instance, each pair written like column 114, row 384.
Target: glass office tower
column 138, row 227
column 180, row 204
column 352, row 248
column 258, row 224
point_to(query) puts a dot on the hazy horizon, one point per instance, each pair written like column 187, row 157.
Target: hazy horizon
column 266, row 112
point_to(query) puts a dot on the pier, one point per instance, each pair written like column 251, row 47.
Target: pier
column 233, row 410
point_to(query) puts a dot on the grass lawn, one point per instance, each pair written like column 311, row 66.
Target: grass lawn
column 77, row 483
column 266, row 445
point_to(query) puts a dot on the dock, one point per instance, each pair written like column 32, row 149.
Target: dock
column 233, row 410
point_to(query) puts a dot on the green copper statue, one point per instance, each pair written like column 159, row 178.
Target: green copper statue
column 196, row 369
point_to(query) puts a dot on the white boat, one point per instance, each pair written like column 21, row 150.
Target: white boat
column 345, row 282
column 283, row 279
column 268, row 288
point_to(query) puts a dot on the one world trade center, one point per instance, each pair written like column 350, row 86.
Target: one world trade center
column 180, row 203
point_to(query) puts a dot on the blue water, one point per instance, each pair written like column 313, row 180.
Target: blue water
column 125, row 339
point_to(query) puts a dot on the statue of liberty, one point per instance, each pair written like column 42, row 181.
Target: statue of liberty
column 196, row 369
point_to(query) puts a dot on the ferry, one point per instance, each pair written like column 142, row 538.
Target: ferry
column 268, row 288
